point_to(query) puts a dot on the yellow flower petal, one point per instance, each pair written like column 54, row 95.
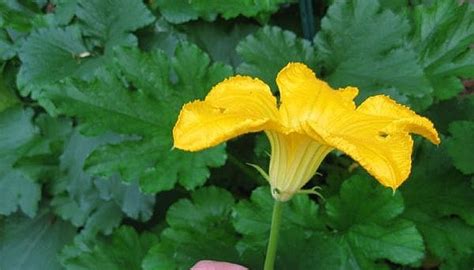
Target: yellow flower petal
column 402, row 116
column 377, row 136
column 306, row 98
column 242, row 94
column 233, row 107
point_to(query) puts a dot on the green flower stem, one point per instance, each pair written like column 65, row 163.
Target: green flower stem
column 274, row 231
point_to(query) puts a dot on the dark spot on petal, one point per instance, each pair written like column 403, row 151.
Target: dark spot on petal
column 383, row 134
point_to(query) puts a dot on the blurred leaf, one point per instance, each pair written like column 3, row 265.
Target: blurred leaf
column 395, row 5
column 7, row 48
column 41, row 160
column 93, row 203
column 29, row 154
column 455, row 109
column 136, row 97
column 270, row 49
column 64, row 10
column 199, row 228
column 7, row 96
column 110, row 22
column 363, row 45
column 17, row 190
column 124, row 249
column 16, row 16
column 461, row 146
column 464, row 262
column 444, row 32
column 448, row 239
column 30, row 244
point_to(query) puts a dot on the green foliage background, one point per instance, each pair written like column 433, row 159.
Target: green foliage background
column 90, row 90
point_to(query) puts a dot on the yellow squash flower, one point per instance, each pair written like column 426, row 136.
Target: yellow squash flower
column 311, row 120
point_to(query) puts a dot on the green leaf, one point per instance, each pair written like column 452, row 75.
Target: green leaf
column 270, row 49
column 219, row 40
column 125, row 249
column 7, row 95
column 199, row 228
column 33, row 243
column 40, row 161
column 17, row 190
column 460, row 146
column 253, row 217
column 448, row 239
column 97, row 205
column 183, row 11
column 49, row 55
column 136, row 97
column 163, row 35
column 76, row 197
column 429, row 191
column 318, row 251
column 28, row 157
column 438, row 200
column 17, row 131
column 460, row 108
column 16, row 16
column 378, row 205
column 395, row 5
column 64, row 10
column 371, row 224
column 110, row 22
column 133, row 203
column 7, row 48
column 178, row 11
column 398, row 241
column 363, row 45
column 231, row 9
column 444, row 32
